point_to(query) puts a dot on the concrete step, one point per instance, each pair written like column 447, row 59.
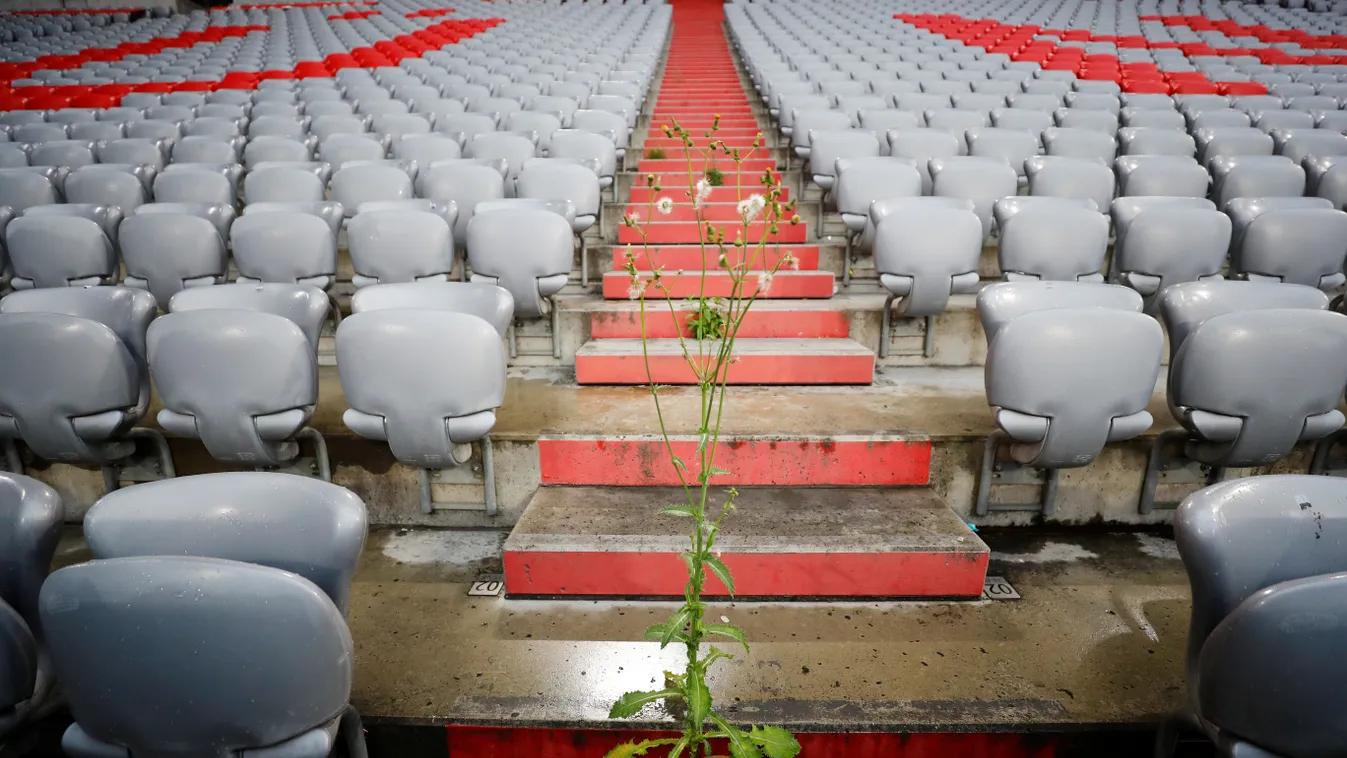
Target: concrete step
column 756, row 361
column 766, row 319
column 695, row 257
column 797, row 543
column 784, row 285
column 678, row 164
column 752, row 460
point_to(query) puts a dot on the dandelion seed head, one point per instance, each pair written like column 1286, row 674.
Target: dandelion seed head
column 665, row 205
column 790, row 261
column 750, row 207
column 764, row 282
column 636, row 288
column 703, row 192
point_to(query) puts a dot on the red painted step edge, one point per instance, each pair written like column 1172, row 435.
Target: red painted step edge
column 830, row 574
column 758, row 324
column 690, row 257
column 512, row 741
column 753, row 461
column 784, row 285
column 747, row 369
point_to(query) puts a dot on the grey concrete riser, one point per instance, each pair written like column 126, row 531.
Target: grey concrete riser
column 1104, row 492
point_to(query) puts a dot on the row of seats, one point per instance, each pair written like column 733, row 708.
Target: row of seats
column 422, row 366
column 221, row 599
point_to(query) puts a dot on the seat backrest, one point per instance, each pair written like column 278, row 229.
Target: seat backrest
column 268, row 148
column 337, row 149
column 1066, row 381
column 30, row 527
column 1252, row 383
column 165, row 252
column 329, row 212
column 22, row 188
column 1166, row 244
column 363, row 183
column 426, row 149
column 829, row 145
column 301, row 304
column 243, row 381
column 1284, row 640
column 924, row 249
column 560, row 180
column 512, row 148
column 249, row 656
column 920, row 146
column 486, row 301
column 68, row 154
column 1161, row 176
column 108, row 217
column 204, row 150
column 1060, row 244
column 134, row 151
column 1297, row 245
column 51, row 251
column 189, row 184
column 862, row 181
column 423, row 380
column 1055, row 176
column 1186, row 305
column 67, row 385
column 517, row 247
column 280, row 183
column 1084, row 144
column 1255, row 176
column 423, row 242
column 1000, row 303
column 982, row 180
column 1239, row 537
column 295, row 248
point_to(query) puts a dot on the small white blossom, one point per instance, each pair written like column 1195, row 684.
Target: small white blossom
column 751, row 207
column 790, row 261
column 665, row 205
column 764, row 282
column 703, row 192
column 637, row 288
column 633, row 218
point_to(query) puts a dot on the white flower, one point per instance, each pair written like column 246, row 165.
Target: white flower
column 665, row 205
column 751, row 207
column 637, row 288
column 633, row 218
column 764, row 282
column 703, row 192
column 790, row 261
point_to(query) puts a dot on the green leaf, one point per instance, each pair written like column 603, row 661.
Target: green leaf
column 727, row 630
column 656, row 632
column 703, row 439
column 631, row 703
column 740, row 744
column 775, row 741
column 678, row 510
column 674, row 627
column 679, row 464
column 713, row 656
column 721, row 571
column 715, row 471
column 678, row 749
column 698, row 697
column 628, row 749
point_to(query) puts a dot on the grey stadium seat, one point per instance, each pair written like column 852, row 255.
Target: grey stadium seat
column 165, row 252
column 294, row 248
column 32, row 516
column 1263, row 554
column 486, row 301
column 277, row 682
column 245, row 382
column 1054, row 243
column 407, row 381
column 370, row 182
column 121, row 185
column 283, row 183
column 1165, row 241
column 1327, row 178
column 1064, row 382
column 1056, row 176
column 400, row 246
column 1161, row 176
column 982, row 180
column 1296, row 245
column 926, row 249
column 55, row 251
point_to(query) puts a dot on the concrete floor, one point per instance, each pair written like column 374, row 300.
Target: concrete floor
column 1097, row 638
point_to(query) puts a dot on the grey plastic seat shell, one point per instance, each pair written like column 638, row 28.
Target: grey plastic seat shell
column 275, row 683
column 1245, row 544
column 395, row 368
column 1062, row 244
column 69, row 388
column 486, row 301
column 298, row 524
column 982, row 180
column 51, row 251
column 1296, row 245
column 1165, row 245
column 423, row 241
column 165, row 252
column 526, row 250
column 925, row 252
column 297, row 248
column 1064, row 382
column 1002, row 302
column 1226, row 367
column 30, row 527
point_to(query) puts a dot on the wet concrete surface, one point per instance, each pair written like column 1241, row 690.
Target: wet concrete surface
column 1097, row 638
column 1096, row 642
